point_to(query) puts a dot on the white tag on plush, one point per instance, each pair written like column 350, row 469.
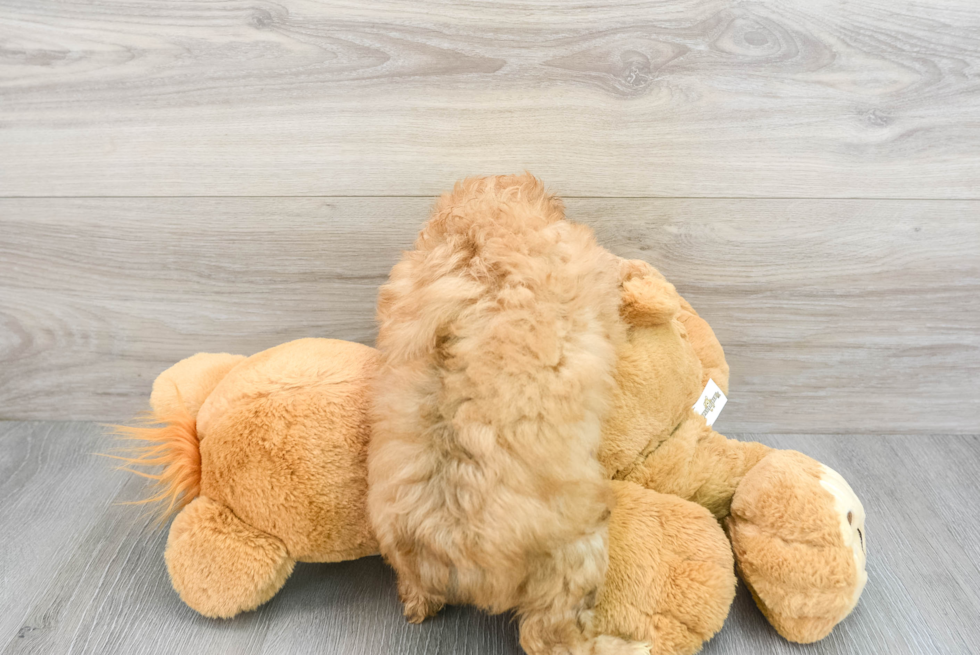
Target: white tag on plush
column 711, row 402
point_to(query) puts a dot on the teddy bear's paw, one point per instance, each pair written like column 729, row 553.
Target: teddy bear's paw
column 797, row 531
column 850, row 513
column 219, row 564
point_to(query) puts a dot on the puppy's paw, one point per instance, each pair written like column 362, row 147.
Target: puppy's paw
column 609, row 645
column 418, row 607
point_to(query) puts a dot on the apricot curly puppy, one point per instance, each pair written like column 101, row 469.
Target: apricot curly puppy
column 499, row 335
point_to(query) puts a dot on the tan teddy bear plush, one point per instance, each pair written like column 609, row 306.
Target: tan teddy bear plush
column 796, row 527
column 264, row 457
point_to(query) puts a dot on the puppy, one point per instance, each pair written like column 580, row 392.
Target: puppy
column 499, row 335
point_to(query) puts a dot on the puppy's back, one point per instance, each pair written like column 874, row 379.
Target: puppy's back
column 498, row 334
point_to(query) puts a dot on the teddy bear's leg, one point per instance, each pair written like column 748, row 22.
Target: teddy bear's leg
column 220, row 565
column 671, row 578
column 797, row 530
column 186, row 385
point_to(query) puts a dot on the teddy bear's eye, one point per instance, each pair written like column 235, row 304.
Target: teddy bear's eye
column 850, row 518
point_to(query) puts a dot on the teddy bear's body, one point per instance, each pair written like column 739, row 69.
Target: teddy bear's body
column 281, row 478
column 283, row 437
column 265, row 457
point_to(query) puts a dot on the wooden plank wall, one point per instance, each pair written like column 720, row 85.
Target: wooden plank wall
column 183, row 176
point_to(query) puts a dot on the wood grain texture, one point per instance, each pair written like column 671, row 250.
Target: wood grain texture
column 80, row 574
column 837, row 315
column 52, row 492
column 788, row 98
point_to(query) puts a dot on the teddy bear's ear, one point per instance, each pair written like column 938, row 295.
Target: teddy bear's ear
column 647, row 298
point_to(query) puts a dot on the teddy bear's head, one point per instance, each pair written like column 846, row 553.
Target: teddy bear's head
column 665, row 362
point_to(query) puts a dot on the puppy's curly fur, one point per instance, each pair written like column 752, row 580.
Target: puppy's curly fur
column 499, row 334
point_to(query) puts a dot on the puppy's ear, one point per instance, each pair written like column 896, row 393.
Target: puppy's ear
column 647, row 299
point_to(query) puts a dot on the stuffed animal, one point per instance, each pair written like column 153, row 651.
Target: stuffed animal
column 264, row 461
column 264, row 457
column 796, row 527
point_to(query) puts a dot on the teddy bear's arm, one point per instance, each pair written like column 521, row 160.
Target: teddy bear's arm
column 698, row 464
column 797, row 528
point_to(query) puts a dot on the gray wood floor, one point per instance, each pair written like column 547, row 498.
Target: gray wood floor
column 81, row 573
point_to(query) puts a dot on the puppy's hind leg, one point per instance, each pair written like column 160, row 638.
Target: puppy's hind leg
column 609, row 645
column 545, row 633
column 418, row 605
column 557, row 615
